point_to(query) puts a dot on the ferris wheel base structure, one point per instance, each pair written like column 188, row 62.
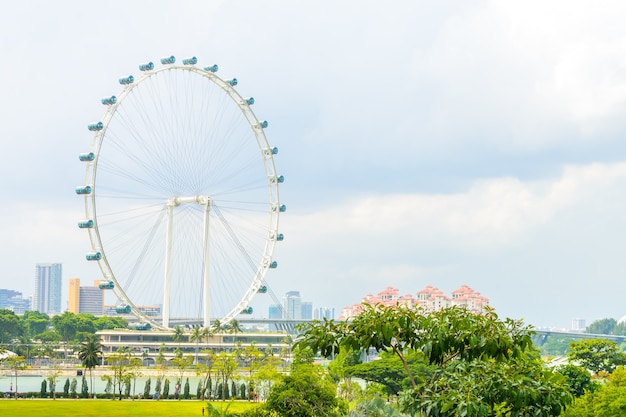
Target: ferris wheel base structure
column 181, row 184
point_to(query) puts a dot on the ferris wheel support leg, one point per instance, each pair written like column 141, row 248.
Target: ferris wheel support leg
column 207, row 293
column 168, row 267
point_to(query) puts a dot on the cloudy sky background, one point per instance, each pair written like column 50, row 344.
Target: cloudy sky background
column 423, row 143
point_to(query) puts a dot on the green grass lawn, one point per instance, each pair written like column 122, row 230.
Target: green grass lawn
column 110, row 408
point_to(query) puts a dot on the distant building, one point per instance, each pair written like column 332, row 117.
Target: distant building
column 429, row 299
column 85, row 299
column 275, row 311
column 579, row 325
column 48, row 280
column 306, row 310
column 324, row 313
column 13, row 300
column 292, row 305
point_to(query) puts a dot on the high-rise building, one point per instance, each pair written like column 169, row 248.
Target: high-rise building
column 324, row 313
column 85, row 299
column 73, row 296
column 48, row 279
column 292, row 305
column 91, row 300
column 306, row 310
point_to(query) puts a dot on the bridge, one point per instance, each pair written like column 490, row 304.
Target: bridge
column 541, row 336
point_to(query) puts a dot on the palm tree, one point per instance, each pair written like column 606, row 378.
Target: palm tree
column 234, row 326
column 178, row 335
column 90, row 354
column 197, row 335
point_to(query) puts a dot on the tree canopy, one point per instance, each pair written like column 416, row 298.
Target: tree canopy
column 482, row 366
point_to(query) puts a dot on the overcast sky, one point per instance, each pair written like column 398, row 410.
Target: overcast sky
column 423, row 143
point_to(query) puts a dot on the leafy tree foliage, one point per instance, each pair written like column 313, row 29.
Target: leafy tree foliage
column 596, row 355
column 607, row 400
column 35, row 323
column 578, row 379
column 375, row 407
column 389, row 371
column 484, row 366
column 10, row 327
column 306, row 392
column 603, row 326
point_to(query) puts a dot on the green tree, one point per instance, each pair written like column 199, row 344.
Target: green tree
column 389, row 371
column 73, row 386
column 306, row 392
column 468, row 351
column 596, row 355
column 607, row 400
column 84, row 389
column 120, row 363
column 578, row 379
column 15, row 363
column 197, row 335
column 376, row 407
column 178, row 335
column 182, row 363
column 603, row 326
column 90, row 354
column 10, row 326
column 186, row 390
column 146, row 388
column 66, row 388
column 43, row 389
column 35, row 323
column 225, row 367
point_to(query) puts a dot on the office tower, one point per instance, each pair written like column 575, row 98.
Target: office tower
column 47, row 297
column 292, row 305
column 73, row 296
column 85, row 299
column 91, row 300
column 306, row 310
column 324, row 313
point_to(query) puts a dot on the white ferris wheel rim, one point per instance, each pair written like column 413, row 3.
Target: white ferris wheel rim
column 265, row 154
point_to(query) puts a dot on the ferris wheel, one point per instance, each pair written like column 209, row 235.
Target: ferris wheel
column 181, row 196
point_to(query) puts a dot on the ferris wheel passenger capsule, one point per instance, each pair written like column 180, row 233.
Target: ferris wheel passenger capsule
column 85, row 224
column 107, row 285
column 280, row 237
column 168, row 60
column 123, row 309
column 274, row 265
column 107, row 101
column 247, row 310
column 85, row 157
column 212, row 68
column 148, row 66
column 94, row 256
column 83, row 189
column 127, row 80
column 270, row 151
column 95, row 127
column 190, row 61
column 232, row 82
column 249, row 101
column 262, row 289
column 263, row 124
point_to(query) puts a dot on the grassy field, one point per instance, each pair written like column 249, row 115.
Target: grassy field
column 110, row 408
